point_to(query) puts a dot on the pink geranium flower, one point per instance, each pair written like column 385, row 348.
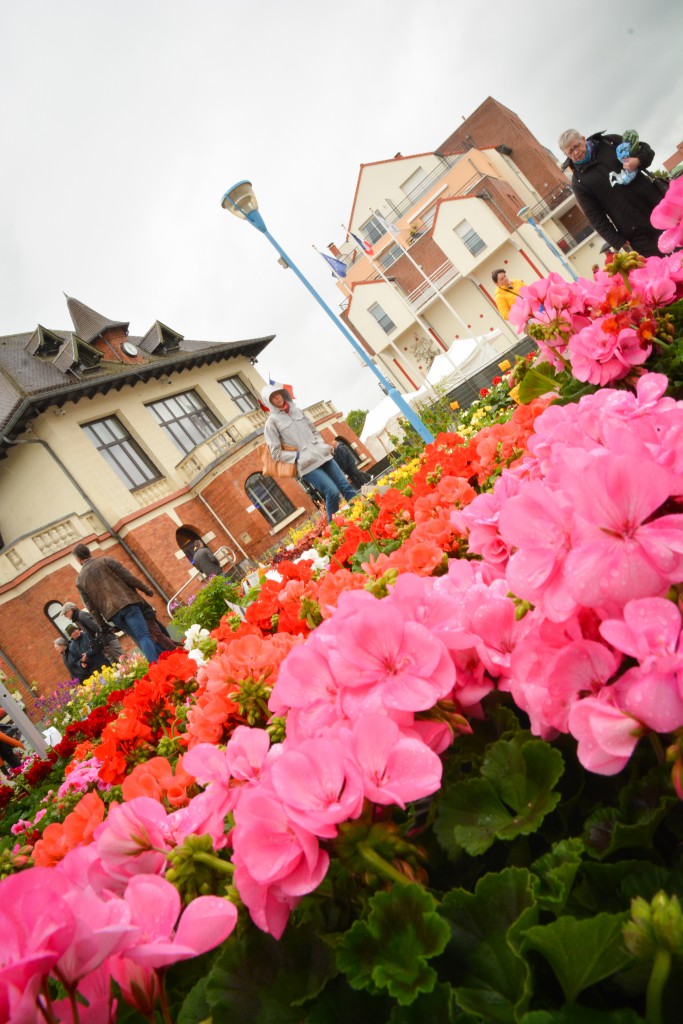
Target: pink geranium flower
column 408, row 665
column 619, row 553
column 166, row 936
column 318, row 784
column 395, row 768
column 536, row 524
column 275, row 848
column 668, row 214
column 133, row 839
column 600, row 356
column 606, row 735
column 652, row 691
column 37, row 927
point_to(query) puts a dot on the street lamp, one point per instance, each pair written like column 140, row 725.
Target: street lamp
column 241, row 201
column 527, row 216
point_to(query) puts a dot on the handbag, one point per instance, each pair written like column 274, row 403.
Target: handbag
column 277, row 470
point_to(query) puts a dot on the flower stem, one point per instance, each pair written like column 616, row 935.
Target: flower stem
column 655, row 986
column 222, row 866
column 656, row 744
column 163, row 1000
column 380, row 865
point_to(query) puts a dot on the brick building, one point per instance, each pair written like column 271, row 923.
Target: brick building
column 439, row 223
column 135, row 446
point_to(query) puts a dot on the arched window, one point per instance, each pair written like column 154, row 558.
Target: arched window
column 53, row 610
column 269, row 499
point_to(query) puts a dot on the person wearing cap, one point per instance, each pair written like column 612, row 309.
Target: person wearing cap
column 83, row 655
column 110, row 643
column 288, row 427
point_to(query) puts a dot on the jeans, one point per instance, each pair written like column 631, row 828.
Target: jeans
column 131, row 620
column 330, row 481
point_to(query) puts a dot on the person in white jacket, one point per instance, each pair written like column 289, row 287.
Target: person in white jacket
column 288, row 427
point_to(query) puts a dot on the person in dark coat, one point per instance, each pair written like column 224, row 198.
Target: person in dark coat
column 84, row 655
column 204, row 559
column 617, row 204
column 108, row 639
column 344, row 458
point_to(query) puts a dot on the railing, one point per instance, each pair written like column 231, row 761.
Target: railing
column 550, row 202
column 423, row 187
column 426, row 291
column 571, row 239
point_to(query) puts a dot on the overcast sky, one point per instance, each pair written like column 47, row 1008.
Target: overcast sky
column 122, row 124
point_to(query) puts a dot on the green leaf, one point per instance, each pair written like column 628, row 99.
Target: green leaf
column 555, row 873
column 491, row 978
column 390, row 949
column 607, row 831
column 513, row 796
column 262, row 980
column 582, row 1015
column 338, row 1003
column 581, row 953
column 436, row 1007
column 611, row 887
column 537, row 381
column 195, row 1006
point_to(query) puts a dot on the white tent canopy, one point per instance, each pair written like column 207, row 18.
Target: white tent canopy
column 383, row 419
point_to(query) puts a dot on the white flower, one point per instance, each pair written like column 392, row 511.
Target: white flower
column 193, row 635
column 197, row 656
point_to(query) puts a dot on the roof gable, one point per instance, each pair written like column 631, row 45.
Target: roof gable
column 88, row 323
column 159, row 336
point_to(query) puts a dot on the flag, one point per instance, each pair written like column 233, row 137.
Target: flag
column 282, row 387
column 391, row 228
column 338, row 268
column 365, row 246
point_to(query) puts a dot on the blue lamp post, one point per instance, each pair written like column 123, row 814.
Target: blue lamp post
column 524, row 212
column 241, row 201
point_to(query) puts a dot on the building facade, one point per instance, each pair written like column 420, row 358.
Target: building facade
column 438, row 224
column 135, row 446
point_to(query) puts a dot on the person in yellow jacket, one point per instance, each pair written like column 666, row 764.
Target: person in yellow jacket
column 506, row 292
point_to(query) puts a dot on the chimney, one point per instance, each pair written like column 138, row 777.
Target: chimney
column 334, row 250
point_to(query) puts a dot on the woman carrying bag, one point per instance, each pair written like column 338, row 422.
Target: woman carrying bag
column 292, row 439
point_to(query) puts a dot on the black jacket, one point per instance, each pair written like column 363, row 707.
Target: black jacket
column 207, row 563
column 620, row 213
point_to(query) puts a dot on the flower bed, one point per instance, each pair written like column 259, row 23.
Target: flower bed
column 439, row 780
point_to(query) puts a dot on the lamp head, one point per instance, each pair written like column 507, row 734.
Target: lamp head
column 240, row 200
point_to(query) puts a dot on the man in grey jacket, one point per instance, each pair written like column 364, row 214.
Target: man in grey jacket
column 288, row 426
column 109, row 590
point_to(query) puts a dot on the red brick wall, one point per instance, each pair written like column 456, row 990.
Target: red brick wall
column 425, row 252
column 492, row 124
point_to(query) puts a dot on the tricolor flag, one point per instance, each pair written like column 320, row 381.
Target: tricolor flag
column 281, row 387
column 391, row 228
column 365, row 246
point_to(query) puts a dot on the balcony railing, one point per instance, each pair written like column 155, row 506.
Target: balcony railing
column 439, row 279
column 571, row 239
column 550, row 202
column 422, row 187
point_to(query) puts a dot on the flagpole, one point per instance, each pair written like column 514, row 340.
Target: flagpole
column 415, row 315
column 390, row 231
column 394, row 346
